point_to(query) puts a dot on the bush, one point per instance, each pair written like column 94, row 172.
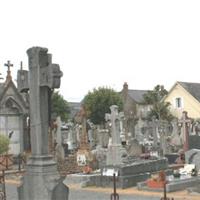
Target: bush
column 4, row 144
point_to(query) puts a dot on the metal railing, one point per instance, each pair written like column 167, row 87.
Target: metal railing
column 2, row 186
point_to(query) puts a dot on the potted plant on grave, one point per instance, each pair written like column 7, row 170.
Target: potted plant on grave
column 4, row 147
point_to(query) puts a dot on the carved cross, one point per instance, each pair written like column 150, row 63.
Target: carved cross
column 114, row 117
column 8, row 64
column 40, row 79
column 185, row 122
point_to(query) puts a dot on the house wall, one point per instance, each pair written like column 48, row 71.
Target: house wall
column 189, row 103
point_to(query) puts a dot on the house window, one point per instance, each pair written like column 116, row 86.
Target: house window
column 178, row 102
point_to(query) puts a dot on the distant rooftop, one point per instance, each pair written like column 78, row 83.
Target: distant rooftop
column 192, row 88
column 137, row 95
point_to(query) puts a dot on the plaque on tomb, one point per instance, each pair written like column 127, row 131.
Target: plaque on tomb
column 81, row 159
column 110, row 172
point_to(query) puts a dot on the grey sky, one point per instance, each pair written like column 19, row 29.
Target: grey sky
column 105, row 43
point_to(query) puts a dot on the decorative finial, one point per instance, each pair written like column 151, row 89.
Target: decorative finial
column 21, row 65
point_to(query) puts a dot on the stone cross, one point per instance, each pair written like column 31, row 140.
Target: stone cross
column 155, row 133
column 84, row 145
column 162, row 132
column 42, row 180
column 60, row 154
column 8, row 65
column 43, row 76
column 114, row 117
column 185, row 122
column 58, row 131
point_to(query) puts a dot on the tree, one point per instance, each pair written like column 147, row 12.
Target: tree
column 160, row 109
column 98, row 102
column 59, row 106
column 4, row 144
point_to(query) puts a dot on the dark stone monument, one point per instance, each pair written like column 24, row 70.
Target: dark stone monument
column 42, row 180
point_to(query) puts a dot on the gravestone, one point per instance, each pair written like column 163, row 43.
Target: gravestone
column 185, row 123
column 139, row 130
column 134, row 148
column 193, row 157
column 84, row 156
column 102, row 137
column 156, row 136
column 42, row 179
column 60, row 154
column 176, row 140
column 71, row 137
column 91, row 134
column 115, row 150
column 164, row 148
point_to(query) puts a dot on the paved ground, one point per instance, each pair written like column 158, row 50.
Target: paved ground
column 83, row 194
column 93, row 193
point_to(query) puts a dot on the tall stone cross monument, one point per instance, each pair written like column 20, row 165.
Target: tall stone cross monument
column 185, row 122
column 41, row 180
column 114, row 154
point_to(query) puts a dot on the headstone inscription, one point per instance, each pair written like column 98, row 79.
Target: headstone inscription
column 41, row 176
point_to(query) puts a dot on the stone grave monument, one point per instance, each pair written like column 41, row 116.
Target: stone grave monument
column 60, row 154
column 185, row 123
column 84, row 156
column 42, row 180
column 115, row 150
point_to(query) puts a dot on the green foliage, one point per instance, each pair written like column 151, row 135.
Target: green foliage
column 98, row 102
column 160, row 109
column 59, row 106
column 4, row 144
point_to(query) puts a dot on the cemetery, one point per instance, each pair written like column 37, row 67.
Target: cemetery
column 128, row 151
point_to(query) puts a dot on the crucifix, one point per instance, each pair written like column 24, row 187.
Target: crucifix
column 185, row 122
column 8, row 65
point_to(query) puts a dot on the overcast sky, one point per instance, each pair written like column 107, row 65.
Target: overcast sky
column 104, row 42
